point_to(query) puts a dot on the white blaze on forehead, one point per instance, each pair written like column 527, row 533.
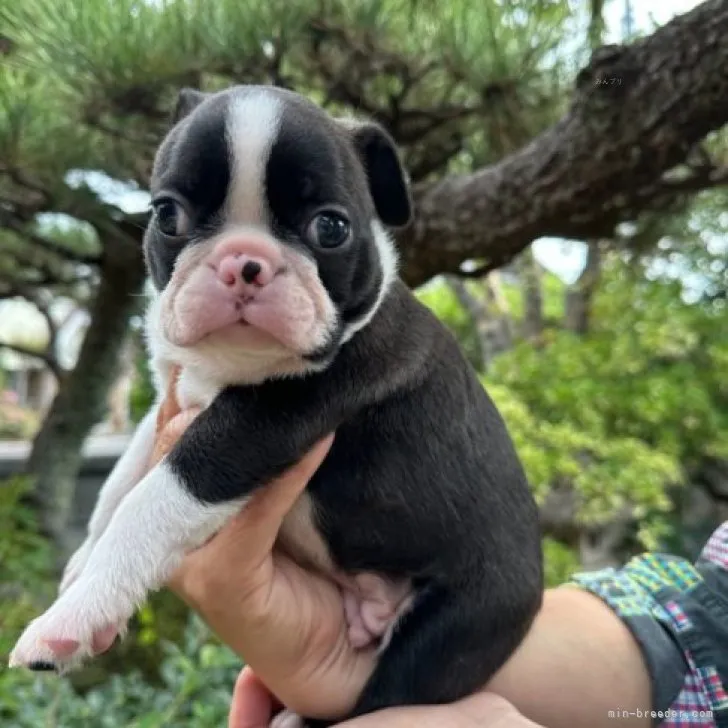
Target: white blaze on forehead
column 252, row 126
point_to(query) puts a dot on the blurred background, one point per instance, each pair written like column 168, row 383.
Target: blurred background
column 572, row 232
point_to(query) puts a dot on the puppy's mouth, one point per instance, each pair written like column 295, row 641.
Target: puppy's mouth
column 283, row 313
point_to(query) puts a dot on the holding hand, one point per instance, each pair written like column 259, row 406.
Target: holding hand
column 253, row 707
column 287, row 622
column 578, row 661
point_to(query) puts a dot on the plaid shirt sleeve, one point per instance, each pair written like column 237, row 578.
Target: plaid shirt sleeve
column 678, row 613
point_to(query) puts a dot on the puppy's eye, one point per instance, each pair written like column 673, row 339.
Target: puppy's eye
column 329, row 230
column 172, row 220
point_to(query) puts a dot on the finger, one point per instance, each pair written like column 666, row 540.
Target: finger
column 251, row 534
column 491, row 711
column 260, row 520
column 482, row 710
column 252, row 705
column 170, row 406
column 167, row 438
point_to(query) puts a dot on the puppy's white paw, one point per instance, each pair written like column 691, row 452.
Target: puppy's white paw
column 76, row 564
column 287, row 719
column 77, row 626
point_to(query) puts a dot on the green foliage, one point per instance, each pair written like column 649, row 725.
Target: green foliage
column 441, row 300
column 623, row 413
column 144, row 681
column 653, row 369
column 25, row 562
column 196, row 682
column 620, row 415
column 560, row 562
column 92, row 82
column 607, row 473
column 553, row 290
column 142, row 393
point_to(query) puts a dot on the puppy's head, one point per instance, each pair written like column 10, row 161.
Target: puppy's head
column 267, row 243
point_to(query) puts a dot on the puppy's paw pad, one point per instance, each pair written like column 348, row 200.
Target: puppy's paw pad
column 63, row 648
column 287, row 719
column 49, row 644
column 104, row 638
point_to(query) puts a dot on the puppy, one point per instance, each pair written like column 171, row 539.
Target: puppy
column 277, row 293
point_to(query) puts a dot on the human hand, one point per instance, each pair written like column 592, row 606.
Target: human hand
column 253, row 706
column 286, row 622
column 577, row 662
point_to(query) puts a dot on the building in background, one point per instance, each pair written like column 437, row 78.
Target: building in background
column 26, row 381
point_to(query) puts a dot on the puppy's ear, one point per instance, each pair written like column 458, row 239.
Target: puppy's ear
column 388, row 183
column 188, row 99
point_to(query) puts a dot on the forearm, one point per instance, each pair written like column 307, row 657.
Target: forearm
column 651, row 636
column 578, row 663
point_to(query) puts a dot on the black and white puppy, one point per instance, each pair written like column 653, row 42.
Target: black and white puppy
column 278, row 295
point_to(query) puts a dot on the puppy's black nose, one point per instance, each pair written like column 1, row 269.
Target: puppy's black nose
column 251, row 270
column 40, row 666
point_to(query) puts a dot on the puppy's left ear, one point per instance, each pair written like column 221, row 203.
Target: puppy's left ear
column 188, row 100
column 388, row 183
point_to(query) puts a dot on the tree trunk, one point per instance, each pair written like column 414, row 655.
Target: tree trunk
column 504, row 335
column 530, row 274
column 56, row 455
column 492, row 323
column 478, row 312
column 579, row 296
column 118, row 400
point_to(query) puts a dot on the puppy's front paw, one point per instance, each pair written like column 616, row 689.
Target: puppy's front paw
column 70, row 631
column 76, row 564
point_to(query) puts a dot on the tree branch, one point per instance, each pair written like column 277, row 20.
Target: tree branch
column 46, row 357
column 637, row 112
column 33, row 295
column 49, row 245
column 580, row 295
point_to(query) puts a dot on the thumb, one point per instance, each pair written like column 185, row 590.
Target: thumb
column 260, row 520
column 482, row 710
column 170, row 406
column 170, row 433
column 252, row 705
column 491, row 711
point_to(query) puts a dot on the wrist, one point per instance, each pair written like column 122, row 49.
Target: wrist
column 577, row 663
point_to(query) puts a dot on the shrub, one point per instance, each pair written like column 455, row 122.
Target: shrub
column 197, row 679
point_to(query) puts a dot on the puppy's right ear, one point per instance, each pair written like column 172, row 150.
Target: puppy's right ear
column 187, row 100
